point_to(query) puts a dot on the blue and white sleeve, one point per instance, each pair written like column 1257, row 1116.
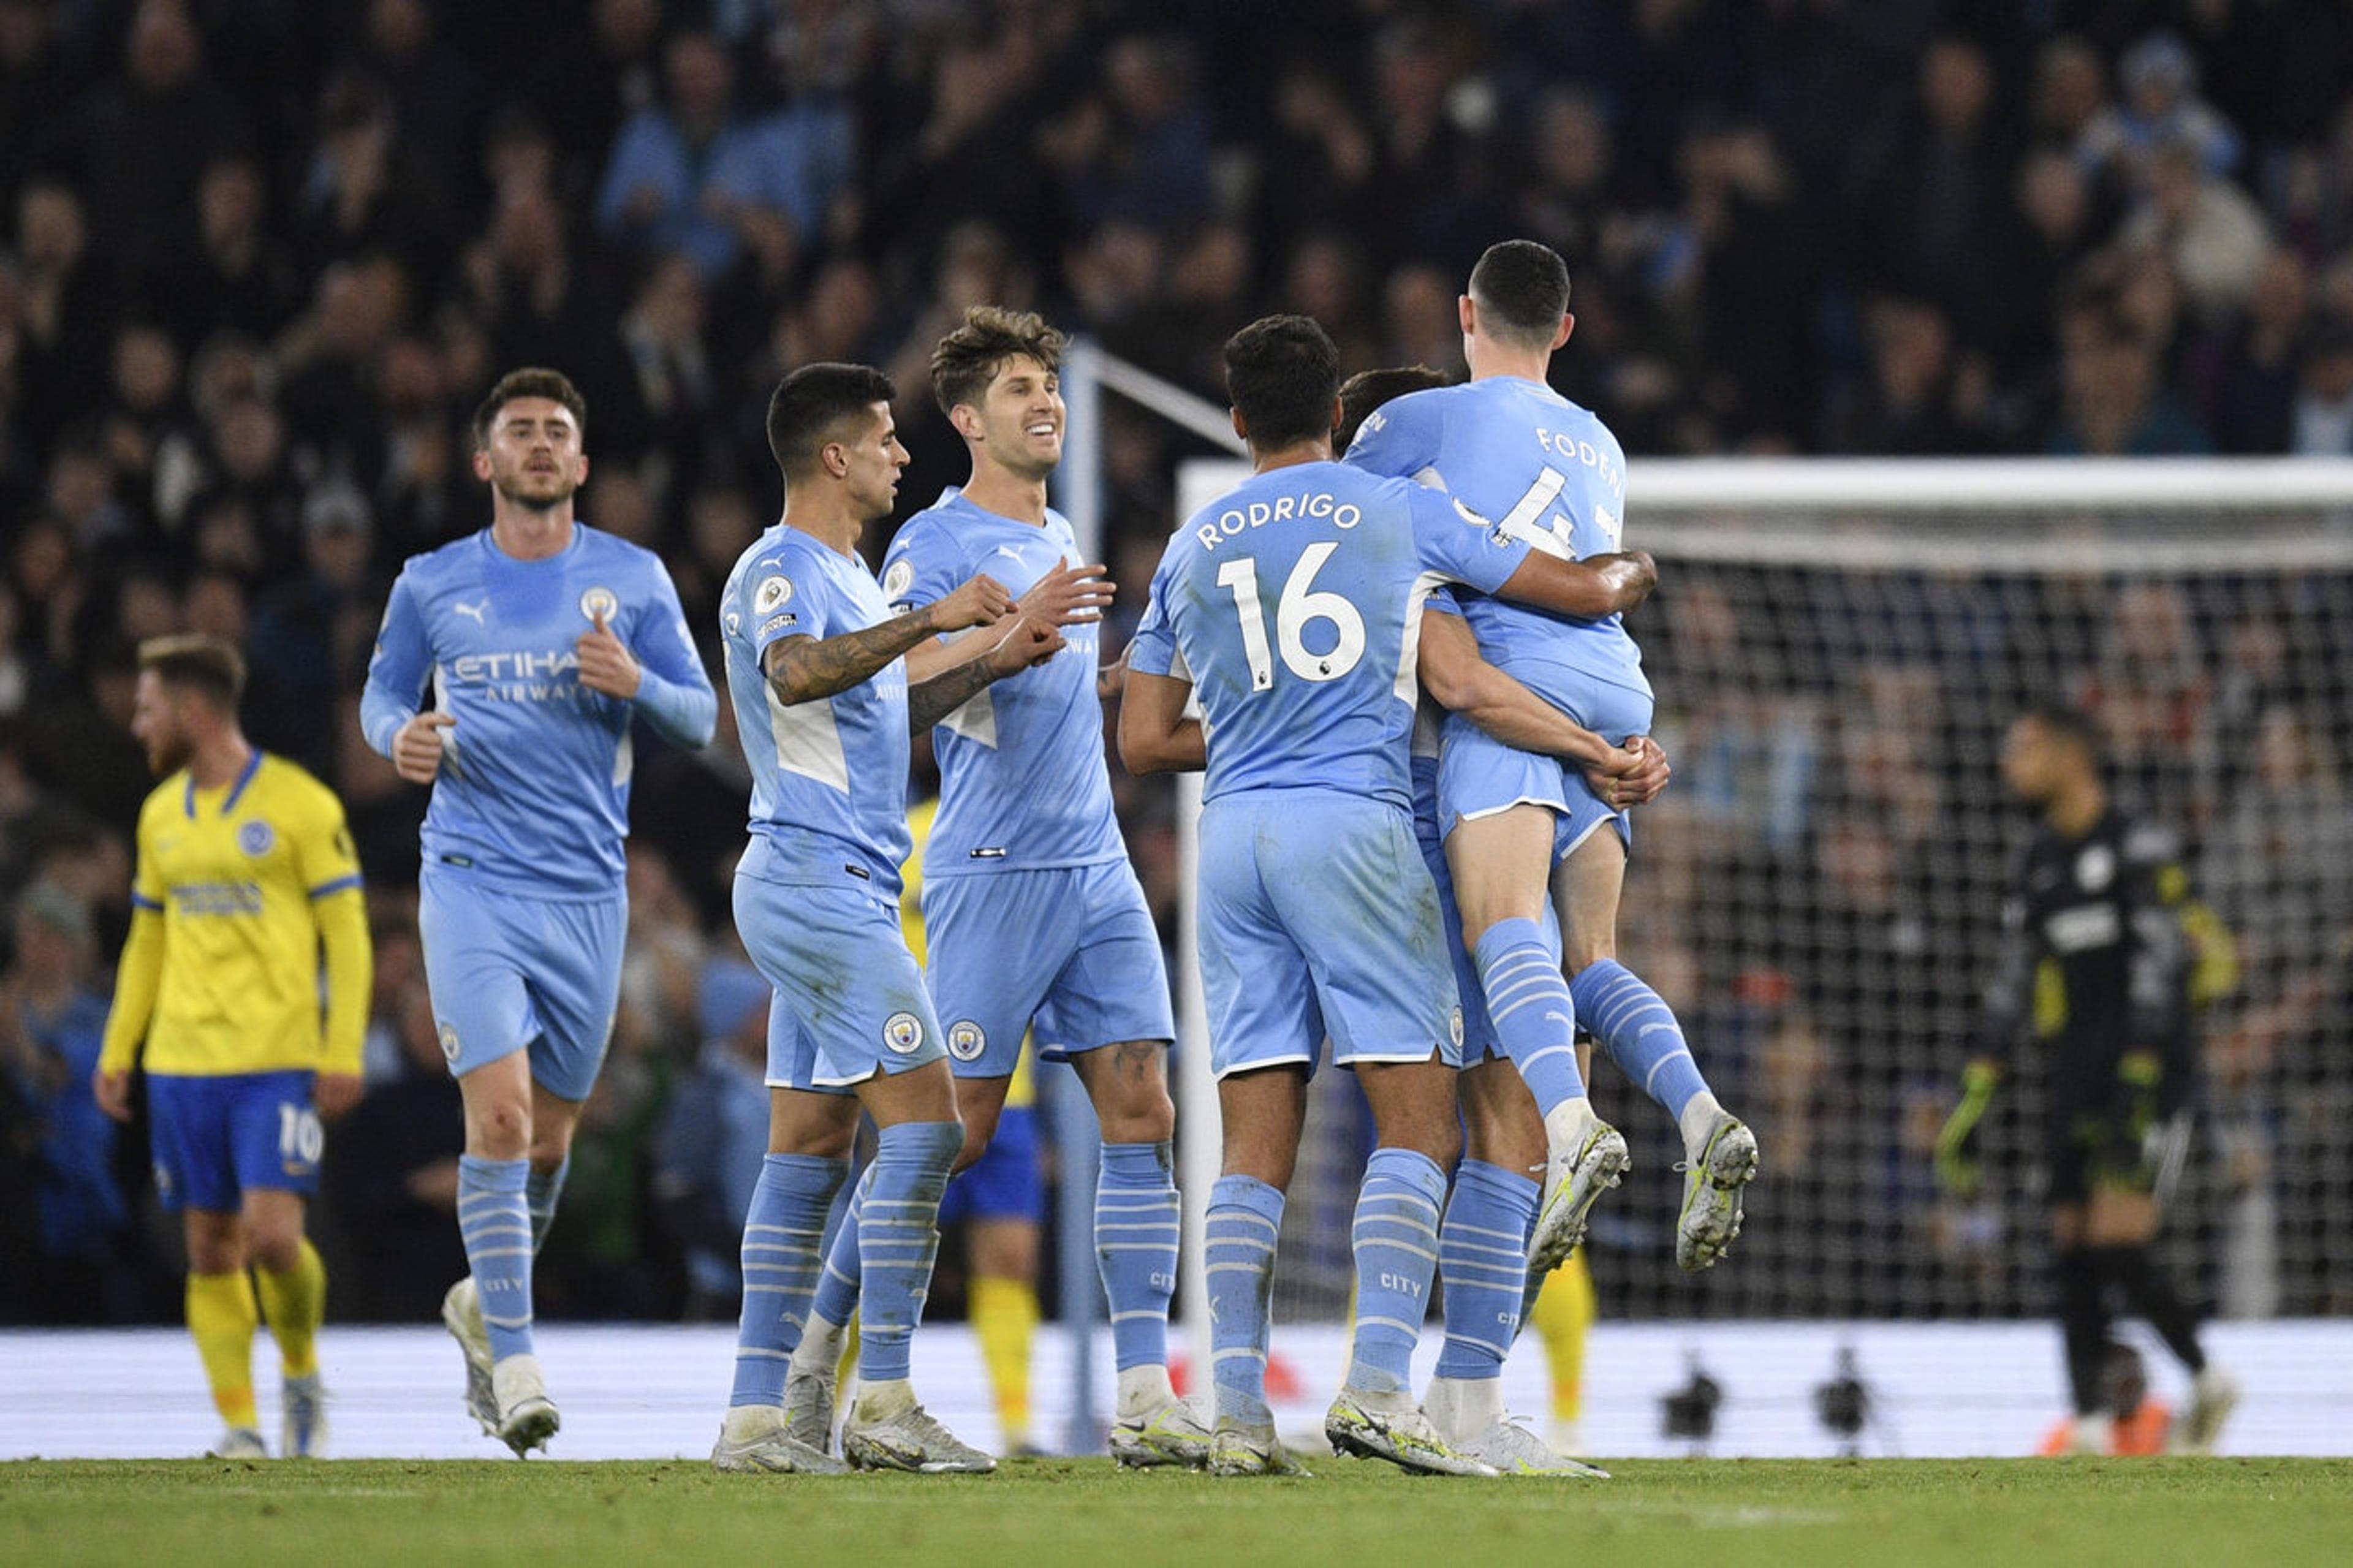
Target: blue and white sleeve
column 924, row 565
column 1399, row 440
column 1152, row 649
column 673, row 690
column 1460, row 545
column 775, row 606
column 397, row 671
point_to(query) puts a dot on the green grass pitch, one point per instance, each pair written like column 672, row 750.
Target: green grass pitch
column 2004, row 1513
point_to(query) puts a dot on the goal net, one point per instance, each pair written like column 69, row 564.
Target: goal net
column 1836, row 649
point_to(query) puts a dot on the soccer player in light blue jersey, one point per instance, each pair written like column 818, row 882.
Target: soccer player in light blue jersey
column 816, row 670
column 1292, row 609
column 544, row 642
column 1551, row 473
column 1033, row 915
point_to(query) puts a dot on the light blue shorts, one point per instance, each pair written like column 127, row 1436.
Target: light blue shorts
column 219, row 1137
column 1479, row 1041
column 849, row 999
column 509, row 973
column 1318, row 919
column 1478, row 775
column 1070, row 954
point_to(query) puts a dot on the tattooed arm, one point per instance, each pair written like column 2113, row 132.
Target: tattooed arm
column 808, row 669
column 1026, row 642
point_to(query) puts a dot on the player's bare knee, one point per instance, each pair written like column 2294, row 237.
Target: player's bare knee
column 216, row 1242
column 500, row 1130
column 550, row 1147
column 273, row 1241
column 977, row 1139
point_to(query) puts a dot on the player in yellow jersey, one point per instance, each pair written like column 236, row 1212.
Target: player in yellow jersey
column 1001, row 1199
column 246, row 872
column 1562, row 1318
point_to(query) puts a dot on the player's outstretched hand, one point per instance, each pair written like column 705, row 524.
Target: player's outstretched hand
column 1067, row 595
column 417, row 749
column 112, row 1093
column 982, row 602
column 606, row 663
column 1025, row 643
column 1634, row 775
column 336, row 1093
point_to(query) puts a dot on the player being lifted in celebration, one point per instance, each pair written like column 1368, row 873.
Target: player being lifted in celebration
column 1488, row 1288
column 2096, row 959
column 1031, row 910
column 815, row 666
column 545, row 640
column 1292, row 605
column 1551, row 474
column 245, row 874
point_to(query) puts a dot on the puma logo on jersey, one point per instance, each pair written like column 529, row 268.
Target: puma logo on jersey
column 477, row 611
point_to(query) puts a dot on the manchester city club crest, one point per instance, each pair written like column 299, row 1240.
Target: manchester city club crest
column 256, row 837
column 898, row 580
column 773, row 593
column 966, row 1040
column 599, row 602
column 449, row 1041
column 1454, row 1027
column 903, row 1033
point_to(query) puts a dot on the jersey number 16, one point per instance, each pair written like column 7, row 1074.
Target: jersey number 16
column 1300, row 606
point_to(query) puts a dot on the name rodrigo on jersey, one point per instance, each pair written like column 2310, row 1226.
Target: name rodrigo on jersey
column 1232, row 522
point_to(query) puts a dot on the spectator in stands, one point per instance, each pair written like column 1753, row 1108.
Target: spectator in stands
column 694, row 176
column 2251, row 366
column 2322, row 424
column 52, row 1021
column 707, row 1156
column 392, row 1171
column 311, row 635
column 2160, row 106
column 2115, row 407
column 2210, row 230
column 142, row 142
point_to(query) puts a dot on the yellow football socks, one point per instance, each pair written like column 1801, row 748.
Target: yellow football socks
column 1005, row 1320
column 222, row 1318
column 295, row 1303
column 1565, row 1312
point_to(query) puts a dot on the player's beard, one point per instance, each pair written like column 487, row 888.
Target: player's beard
column 1019, row 459
column 546, row 499
column 168, row 753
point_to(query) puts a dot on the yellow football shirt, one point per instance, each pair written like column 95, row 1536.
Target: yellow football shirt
column 1020, row 1093
column 237, row 892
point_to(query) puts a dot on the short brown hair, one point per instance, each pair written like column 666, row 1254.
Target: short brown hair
column 192, row 661
column 530, row 381
column 968, row 359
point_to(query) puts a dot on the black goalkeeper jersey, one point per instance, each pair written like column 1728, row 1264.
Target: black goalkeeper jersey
column 2096, row 957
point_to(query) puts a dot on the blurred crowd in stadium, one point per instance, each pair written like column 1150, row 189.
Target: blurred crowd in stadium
column 259, row 261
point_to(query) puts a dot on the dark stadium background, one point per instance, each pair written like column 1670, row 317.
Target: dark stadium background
column 259, row 261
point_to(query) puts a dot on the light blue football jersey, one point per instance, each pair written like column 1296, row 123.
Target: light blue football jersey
column 1023, row 786
column 534, row 792
column 830, row 776
column 1548, row 472
column 1293, row 605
